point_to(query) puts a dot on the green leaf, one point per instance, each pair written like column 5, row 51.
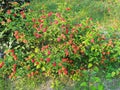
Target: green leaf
column 97, row 79
column 108, row 75
column 32, row 55
column 91, row 59
column 36, row 50
column 83, row 84
column 100, row 87
column 113, row 74
column 90, row 65
column 38, row 66
column 43, row 68
column 96, row 69
column 93, row 88
column 117, row 72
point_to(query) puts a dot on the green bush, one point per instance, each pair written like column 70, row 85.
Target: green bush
column 54, row 44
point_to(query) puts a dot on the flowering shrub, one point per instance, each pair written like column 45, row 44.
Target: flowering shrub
column 53, row 45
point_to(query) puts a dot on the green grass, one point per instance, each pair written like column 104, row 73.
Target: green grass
column 97, row 9
column 4, row 84
column 1, row 83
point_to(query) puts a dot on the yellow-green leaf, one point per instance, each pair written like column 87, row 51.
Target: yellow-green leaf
column 113, row 74
column 36, row 50
column 43, row 68
column 38, row 66
column 31, row 55
column 83, row 84
column 89, row 65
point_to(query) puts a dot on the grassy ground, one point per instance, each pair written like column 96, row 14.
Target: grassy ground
column 99, row 10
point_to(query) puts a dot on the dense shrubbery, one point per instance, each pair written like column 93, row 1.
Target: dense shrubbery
column 54, row 45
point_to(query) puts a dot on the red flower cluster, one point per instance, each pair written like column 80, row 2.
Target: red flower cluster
column 14, row 68
column 1, row 64
column 13, row 54
column 8, row 12
column 22, row 14
column 20, row 36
